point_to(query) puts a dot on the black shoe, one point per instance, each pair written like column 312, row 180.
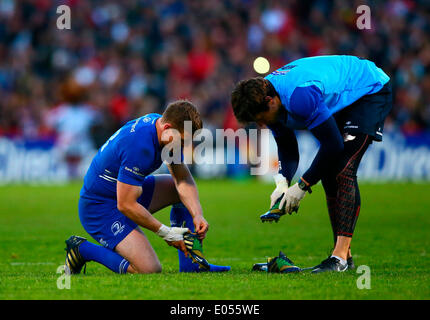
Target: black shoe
column 320, row 264
column 350, row 262
column 330, row 264
column 279, row 264
column 74, row 261
column 260, row 267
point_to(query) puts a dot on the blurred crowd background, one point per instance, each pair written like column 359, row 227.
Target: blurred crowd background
column 122, row 59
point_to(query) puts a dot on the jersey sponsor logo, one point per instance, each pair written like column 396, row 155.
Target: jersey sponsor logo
column 349, row 125
column 133, row 127
column 134, row 171
column 117, row 228
column 283, row 70
column 278, row 73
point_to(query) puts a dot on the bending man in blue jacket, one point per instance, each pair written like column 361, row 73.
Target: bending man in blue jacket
column 343, row 101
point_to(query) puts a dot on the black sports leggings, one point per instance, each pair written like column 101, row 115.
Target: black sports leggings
column 341, row 187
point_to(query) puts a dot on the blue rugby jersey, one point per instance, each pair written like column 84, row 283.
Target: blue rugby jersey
column 312, row 89
column 131, row 154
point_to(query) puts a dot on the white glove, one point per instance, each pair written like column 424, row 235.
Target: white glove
column 293, row 196
column 281, row 189
column 172, row 234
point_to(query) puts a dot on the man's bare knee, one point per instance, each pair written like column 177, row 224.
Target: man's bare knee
column 138, row 251
column 136, row 269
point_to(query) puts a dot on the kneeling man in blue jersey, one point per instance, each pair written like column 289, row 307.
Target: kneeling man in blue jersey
column 343, row 101
column 119, row 194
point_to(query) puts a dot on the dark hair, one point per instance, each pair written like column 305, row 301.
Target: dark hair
column 248, row 98
column 178, row 112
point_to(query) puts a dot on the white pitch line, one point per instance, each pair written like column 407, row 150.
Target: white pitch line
column 237, row 259
column 31, row 263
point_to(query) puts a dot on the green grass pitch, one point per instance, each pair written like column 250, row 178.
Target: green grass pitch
column 392, row 238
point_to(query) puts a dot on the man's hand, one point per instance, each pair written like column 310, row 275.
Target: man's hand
column 179, row 245
column 201, row 225
column 293, row 196
column 281, row 189
column 187, row 191
column 174, row 237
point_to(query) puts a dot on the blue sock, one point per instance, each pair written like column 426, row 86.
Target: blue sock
column 104, row 256
column 179, row 214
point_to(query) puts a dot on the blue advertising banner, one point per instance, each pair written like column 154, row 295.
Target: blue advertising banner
column 30, row 162
column 397, row 158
